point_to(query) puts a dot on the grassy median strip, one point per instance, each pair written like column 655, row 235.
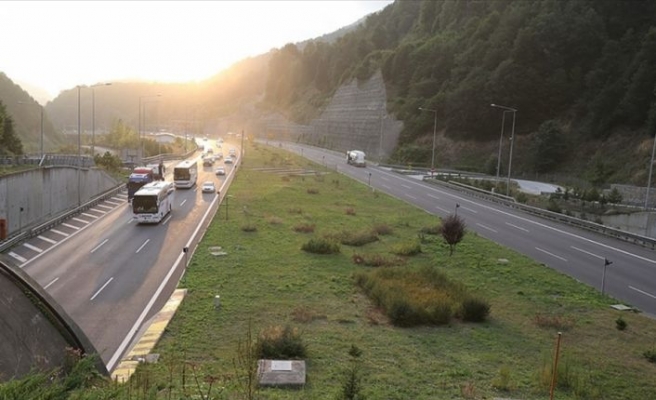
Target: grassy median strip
column 268, row 284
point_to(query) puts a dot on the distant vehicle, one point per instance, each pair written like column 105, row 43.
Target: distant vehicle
column 208, row 187
column 138, row 178
column 228, row 160
column 220, row 171
column 153, row 202
column 185, row 174
column 208, row 161
column 233, row 152
column 158, row 171
column 356, row 157
column 210, row 151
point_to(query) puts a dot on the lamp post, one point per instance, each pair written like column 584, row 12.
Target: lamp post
column 512, row 142
column 93, row 116
column 503, row 124
column 79, row 149
column 41, row 109
column 651, row 166
column 434, row 132
column 141, row 148
column 380, row 144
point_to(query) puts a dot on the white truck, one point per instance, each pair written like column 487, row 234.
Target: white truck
column 356, row 157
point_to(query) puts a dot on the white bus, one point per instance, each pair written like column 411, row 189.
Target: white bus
column 185, row 174
column 153, row 202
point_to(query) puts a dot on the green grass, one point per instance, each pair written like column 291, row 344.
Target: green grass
column 267, row 281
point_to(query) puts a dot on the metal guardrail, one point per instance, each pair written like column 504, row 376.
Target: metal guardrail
column 553, row 216
column 36, row 230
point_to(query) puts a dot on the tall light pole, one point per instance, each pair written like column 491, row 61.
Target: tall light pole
column 93, row 116
column 380, row 144
column 434, row 132
column 512, row 142
column 503, row 124
column 41, row 109
column 79, row 149
column 141, row 148
column 651, row 166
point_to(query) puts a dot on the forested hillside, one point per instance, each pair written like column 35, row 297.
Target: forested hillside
column 579, row 72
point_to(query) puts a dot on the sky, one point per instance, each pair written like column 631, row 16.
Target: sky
column 57, row 45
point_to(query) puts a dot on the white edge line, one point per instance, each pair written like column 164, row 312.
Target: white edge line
column 643, row 292
column 588, row 253
column 100, row 290
column 142, row 246
column 551, row 254
column 487, row 227
column 517, row 227
column 51, row 282
column 100, row 245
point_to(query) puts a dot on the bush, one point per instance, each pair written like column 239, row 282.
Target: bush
column 475, row 310
column 358, row 238
column 382, row 229
column 249, row 228
column 304, row 228
column 277, row 343
column 350, row 211
column 313, row 191
column 620, row 324
column 553, row 206
column 556, row 322
column 452, row 230
column 321, row 246
column 431, row 230
column 295, row 210
column 522, row 198
column 375, row 260
column 407, row 249
column 650, row 355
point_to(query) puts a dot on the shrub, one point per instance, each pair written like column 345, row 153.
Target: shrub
column 295, row 210
column 358, row 238
column 350, row 211
column 452, row 230
column 620, row 324
column 553, row 206
column 273, row 220
column 313, row 191
column 382, row 229
column 249, row 227
column 375, row 260
column 557, row 322
column 475, row 310
column 321, row 246
column 304, row 314
column 504, row 381
column 431, row 230
column 407, row 249
column 304, row 228
column 285, row 179
column 650, row 355
column 278, row 343
column 522, row 198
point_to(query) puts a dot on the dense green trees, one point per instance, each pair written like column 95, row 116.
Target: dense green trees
column 10, row 144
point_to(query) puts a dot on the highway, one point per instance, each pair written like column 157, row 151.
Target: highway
column 631, row 278
column 109, row 273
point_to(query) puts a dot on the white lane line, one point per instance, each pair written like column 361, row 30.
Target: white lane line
column 643, row 292
column 406, row 186
column 16, row 256
column 142, row 246
column 106, row 207
column 588, row 253
column 517, row 227
column 487, row 227
column 32, row 247
column 469, row 209
column 183, row 201
column 430, row 195
column 70, row 226
column 80, row 220
column 59, row 232
column 443, row 210
column 101, row 212
column 100, row 290
column 167, row 219
column 45, row 239
column 100, row 245
column 411, row 197
column 130, row 220
column 386, row 187
column 551, row 254
column 50, row 284
column 89, row 215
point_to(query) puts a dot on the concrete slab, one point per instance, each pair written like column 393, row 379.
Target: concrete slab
column 281, row 373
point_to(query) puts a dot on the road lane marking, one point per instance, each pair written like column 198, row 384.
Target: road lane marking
column 130, row 220
column 517, row 227
column 487, row 227
column 90, row 215
column 588, row 253
column 50, row 284
column 101, row 212
column 412, row 197
column 386, row 187
column 59, row 232
column 32, row 247
column 100, row 290
column 406, row 186
column 106, row 207
column 469, row 209
column 643, row 292
column 100, row 245
column 183, row 201
column 80, row 220
column 45, row 239
column 430, row 195
column 551, row 254
column 70, row 226
column 167, row 219
column 16, row 256
column 442, row 209
column 142, row 246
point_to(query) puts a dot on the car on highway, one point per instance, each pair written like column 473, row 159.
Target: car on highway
column 220, row 171
column 228, row 160
column 208, row 187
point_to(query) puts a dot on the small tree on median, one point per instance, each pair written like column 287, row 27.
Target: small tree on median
column 452, row 230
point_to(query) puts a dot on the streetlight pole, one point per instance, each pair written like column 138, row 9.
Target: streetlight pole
column 41, row 109
column 503, row 124
column 380, row 145
column 651, row 166
column 512, row 142
column 434, row 132
column 93, row 116
column 79, row 149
